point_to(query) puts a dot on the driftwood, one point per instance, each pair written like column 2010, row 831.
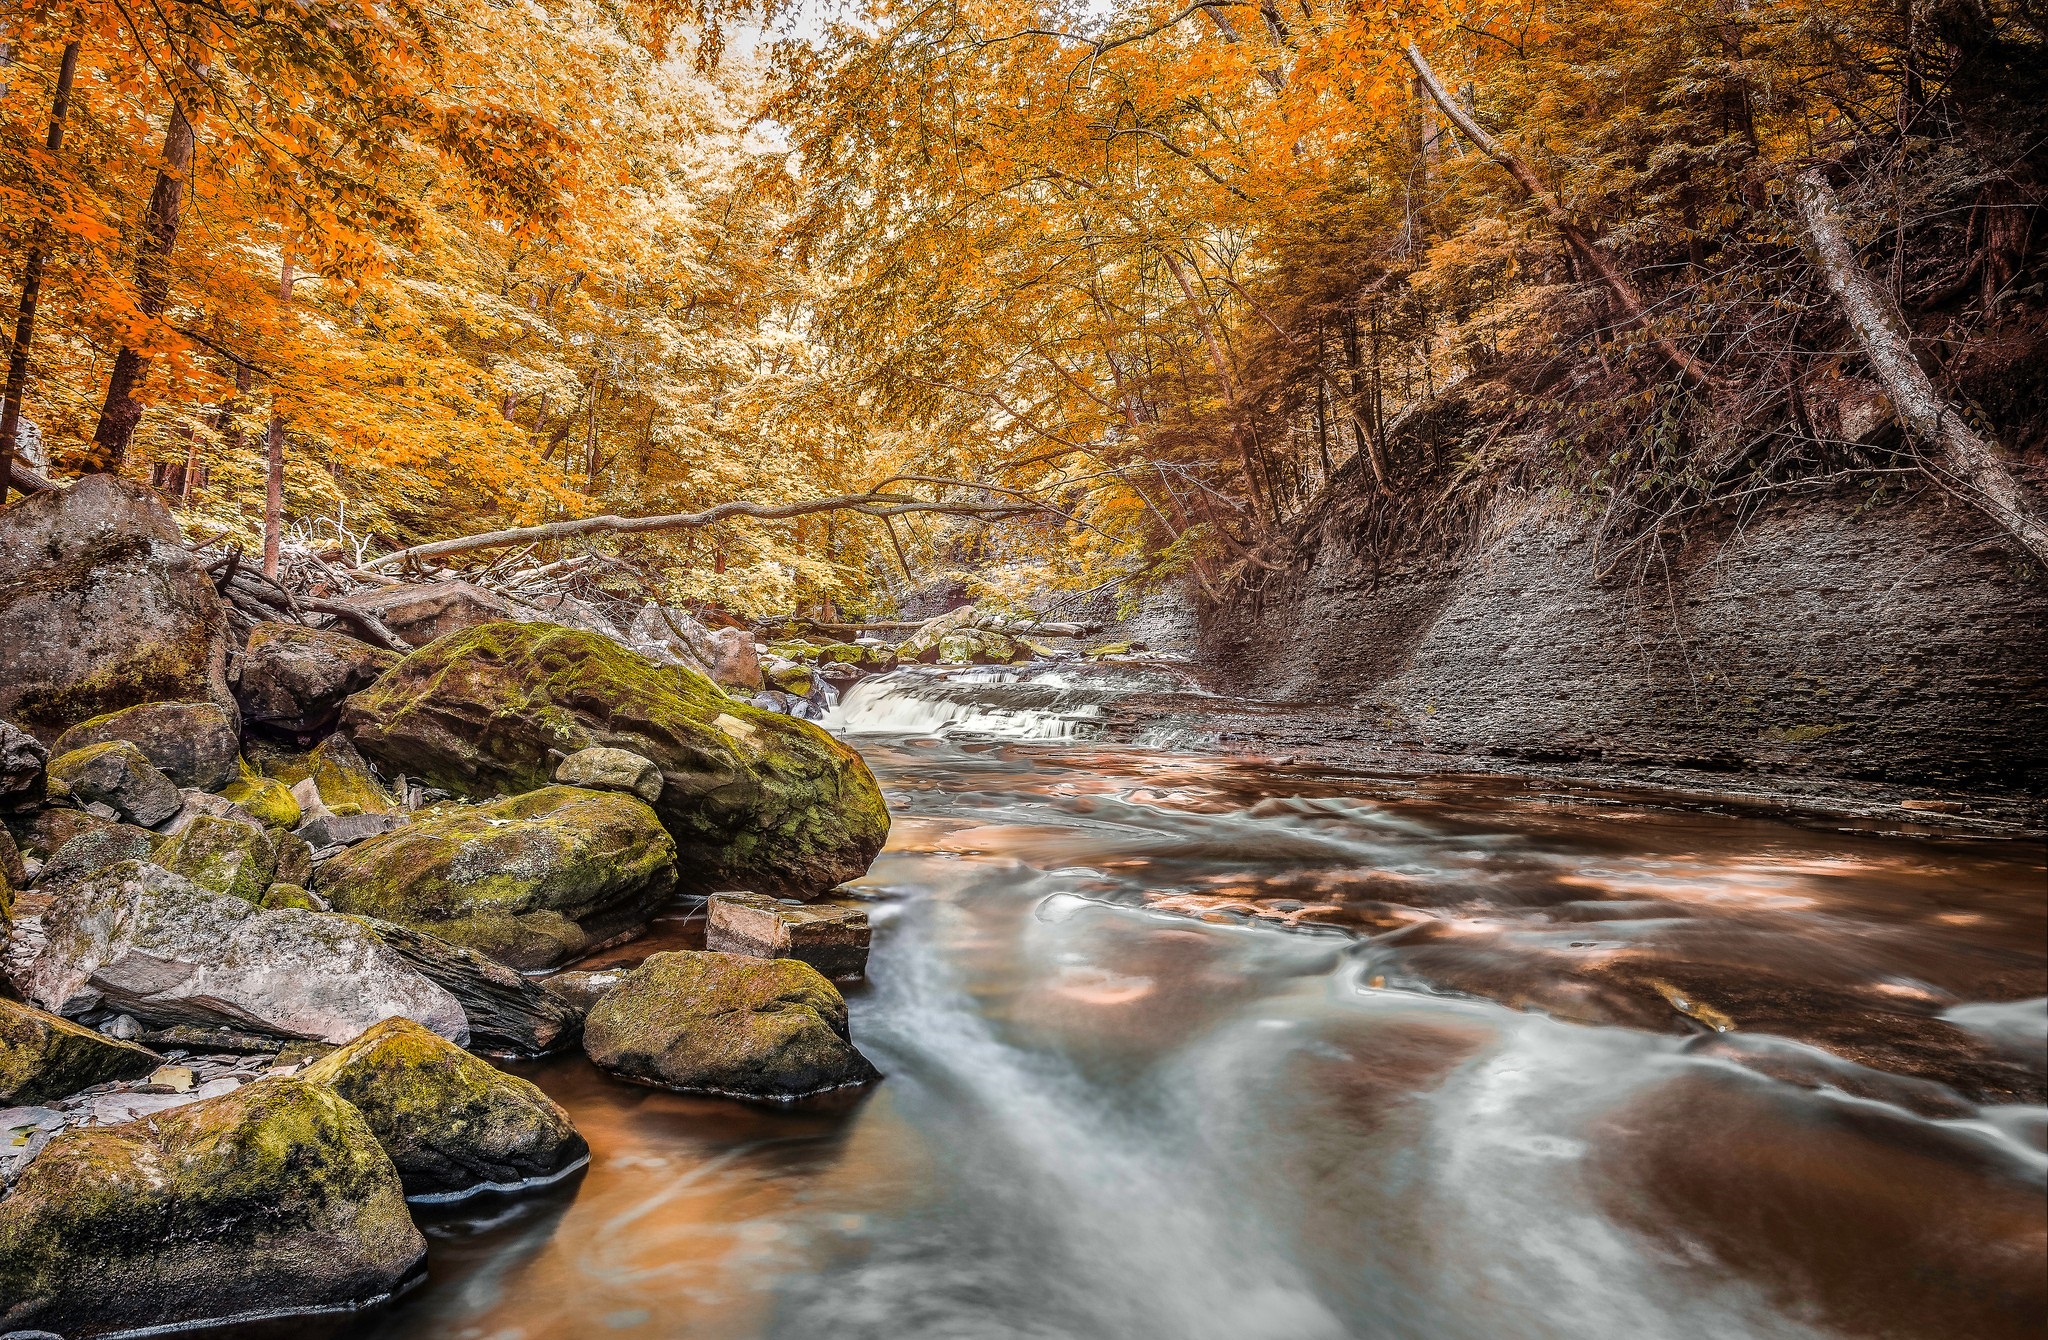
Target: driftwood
column 1962, row 457
column 1575, row 237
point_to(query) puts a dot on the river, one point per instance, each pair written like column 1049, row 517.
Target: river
column 1185, row 1046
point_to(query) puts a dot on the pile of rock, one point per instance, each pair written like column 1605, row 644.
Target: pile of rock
column 258, row 897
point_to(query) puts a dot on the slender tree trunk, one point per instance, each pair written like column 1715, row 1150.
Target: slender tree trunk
column 1575, row 237
column 191, row 472
column 31, row 290
column 1964, row 459
column 273, row 493
column 122, row 410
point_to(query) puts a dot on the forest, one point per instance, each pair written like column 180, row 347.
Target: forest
column 1059, row 298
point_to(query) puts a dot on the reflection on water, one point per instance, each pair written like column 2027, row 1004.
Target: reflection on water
column 1185, row 1049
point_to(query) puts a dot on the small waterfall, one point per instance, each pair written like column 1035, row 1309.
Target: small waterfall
column 1041, row 701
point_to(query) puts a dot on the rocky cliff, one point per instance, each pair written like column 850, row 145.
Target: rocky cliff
column 1818, row 638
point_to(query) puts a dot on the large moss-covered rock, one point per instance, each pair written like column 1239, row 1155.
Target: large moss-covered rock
column 92, row 851
column 105, row 608
column 194, row 744
column 268, row 799
column 720, row 1023
column 273, row 1198
column 876, row 660
column 453, row 1124
column 159, row 947
column 753, row 799
column 294, row 678
column 530, row 880
column 44, row 1057
column 118, row 775
column 224, row 856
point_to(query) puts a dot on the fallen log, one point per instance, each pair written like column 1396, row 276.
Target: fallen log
column 1964, row 459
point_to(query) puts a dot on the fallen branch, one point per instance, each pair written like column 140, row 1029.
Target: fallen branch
column 373, row 629
column 1969, row 461
column 1574, row 236
column 867, row 504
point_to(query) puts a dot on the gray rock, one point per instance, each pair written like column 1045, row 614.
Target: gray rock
column 155, row 945
column 581, row 990
column 327, row 834
column 719, row 1023
column 223, row 856
column 606, row 769
column 121, row 613
column 205, row 805
column 274, row 1197
column 92, row 851
column 194, row 744
column 22, row 760
column 830, row 935
column 672, row 636
column 117, row 774
column 421, row 613
column 508, row 1014
column 294, row 678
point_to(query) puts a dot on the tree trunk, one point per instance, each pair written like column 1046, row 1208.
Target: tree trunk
column 122, row 410
column 1575, row 237
column 31, row 290
column 1963, row 459
column 273, row 493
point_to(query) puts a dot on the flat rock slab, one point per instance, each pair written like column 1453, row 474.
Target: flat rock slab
column 830, row 935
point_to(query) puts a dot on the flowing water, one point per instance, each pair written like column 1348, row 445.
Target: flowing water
column 1187, row 1047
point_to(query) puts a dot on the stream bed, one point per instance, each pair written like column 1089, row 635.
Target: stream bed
column 1182, row 1046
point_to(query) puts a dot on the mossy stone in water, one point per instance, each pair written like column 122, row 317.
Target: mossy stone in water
column 720, row 1023
column 44, row 1058
column 451, row 1122
column 531, row 880
column 753, row 799
column 274, row 1197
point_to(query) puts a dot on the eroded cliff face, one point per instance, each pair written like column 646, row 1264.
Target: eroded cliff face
column 1898, row 643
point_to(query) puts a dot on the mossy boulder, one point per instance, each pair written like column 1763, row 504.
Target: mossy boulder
column 452, row 1123
column 118, row 775
column 875, row 660
column 270, row 800
column 294, row 678
column 272, row 1198
column 530, row 880
column 752, row 798
column 194, row 744
column 155, row 945
column 721, row 1023
column 105, row 608
column 791, row 677
column 224, row 856
column 44, row 1057
column 92, row 851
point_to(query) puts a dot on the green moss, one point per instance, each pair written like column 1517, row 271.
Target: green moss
column 287, row 895
column 222, row 855
column 266, row 798
column 344, row 778
column 44, row 1058
column 163, row 671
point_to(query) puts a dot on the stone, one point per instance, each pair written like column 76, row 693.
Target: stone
column 344, row 779
column 155, row 945
column 720, row 1023
column 726, row 656
column 267, row 799
column 531, row 880
column 292, row 895
column 873, row 659
column 47, row 830
column 790, row 677
column 273, row 1198
column 13, row 874
column 420, row 613
column 923, row 645
column 122, row 613
column 831, row 936
column 44, row 1057
column 788, row 811
column 194, row 744
column 22, row 760
column 206, row 805
column 509, row 1015
column 327, row 834
column 294, row 859
column 117, row 774
column 581, row 990
column 92, row 851
column 453, row 1125
column 604, row 769
column 294, row 678
column 226, row 857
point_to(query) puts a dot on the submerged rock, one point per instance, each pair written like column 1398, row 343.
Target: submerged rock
column 273, row 1198
column 752, row 799
column 122, row 614
column 44, row 1057
column 831, row 936
column 294, row 678
column 159, row 947
column 720, row 1023
column 194, row 744
column 453, row 1124
column 118, row 775
column 531, row 880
